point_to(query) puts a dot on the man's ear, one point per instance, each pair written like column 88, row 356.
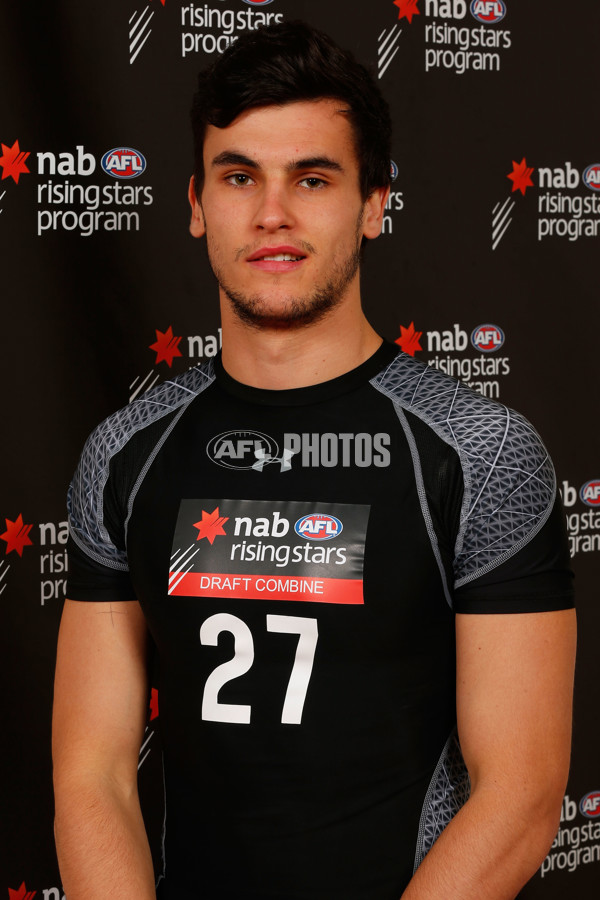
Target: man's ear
column 197, row 225
column 374, row 210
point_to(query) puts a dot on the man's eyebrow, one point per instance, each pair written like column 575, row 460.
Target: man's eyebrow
column 315, row 162
column 231, row 158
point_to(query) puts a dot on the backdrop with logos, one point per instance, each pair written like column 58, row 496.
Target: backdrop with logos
column 485, row 269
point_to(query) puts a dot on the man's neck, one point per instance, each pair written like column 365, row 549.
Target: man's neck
column 281, row 359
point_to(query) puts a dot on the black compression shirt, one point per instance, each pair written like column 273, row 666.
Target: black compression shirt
column 299, row 556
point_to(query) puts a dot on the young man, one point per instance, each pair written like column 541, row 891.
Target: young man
column 352, row 567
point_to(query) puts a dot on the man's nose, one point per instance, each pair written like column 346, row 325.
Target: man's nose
column 273, row 209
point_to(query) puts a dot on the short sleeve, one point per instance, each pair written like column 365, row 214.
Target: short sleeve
column 90, row 581
column 538, row 577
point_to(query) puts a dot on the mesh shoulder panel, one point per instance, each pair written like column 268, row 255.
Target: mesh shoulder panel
column 509, row 482
column 86, row 493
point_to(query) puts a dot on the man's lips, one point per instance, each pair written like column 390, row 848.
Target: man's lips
column 276, row 259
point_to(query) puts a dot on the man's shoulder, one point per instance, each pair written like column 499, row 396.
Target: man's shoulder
column 111, row 440
column 157, row 403
column 508, row 476
column 457, row 413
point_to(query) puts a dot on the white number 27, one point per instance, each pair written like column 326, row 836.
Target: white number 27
column 243, row 657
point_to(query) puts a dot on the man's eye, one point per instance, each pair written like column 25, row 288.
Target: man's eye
column 239, row 178
column 313, row 182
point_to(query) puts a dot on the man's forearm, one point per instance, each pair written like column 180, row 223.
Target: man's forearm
column 489, row 850
column 101, row 843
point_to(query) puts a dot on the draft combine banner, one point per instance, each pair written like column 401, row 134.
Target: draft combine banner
column 322, row 544
column 486, row 269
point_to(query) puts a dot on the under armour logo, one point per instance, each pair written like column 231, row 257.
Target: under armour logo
column 262, row 459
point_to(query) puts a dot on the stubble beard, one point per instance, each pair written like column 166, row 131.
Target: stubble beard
column 296, row 311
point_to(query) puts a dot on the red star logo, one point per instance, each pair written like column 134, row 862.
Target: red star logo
column 211, row 525
column 407, row 9
column 521, row 176
column 409, row 339
column 13, row 162
column 153, row 704
column 21, row 893
column 166, row 346
column 16, row 535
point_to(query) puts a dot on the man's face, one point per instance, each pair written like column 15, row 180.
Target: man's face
column 282, row 212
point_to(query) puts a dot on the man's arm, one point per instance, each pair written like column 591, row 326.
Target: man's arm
column 514, row 706
column 100, row 699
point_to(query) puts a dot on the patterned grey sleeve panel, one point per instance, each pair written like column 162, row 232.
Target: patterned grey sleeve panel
column 85, row 500
column 449, row 790
column 509, row 481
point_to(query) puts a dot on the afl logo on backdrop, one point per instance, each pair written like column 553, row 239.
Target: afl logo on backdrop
column 257, row 2
column 589, row 805
column 123, row 162
column 488, row 11
column 591, row 177
column 240, row 449
column 487, row 338
column 590, row 492
column 318, row 527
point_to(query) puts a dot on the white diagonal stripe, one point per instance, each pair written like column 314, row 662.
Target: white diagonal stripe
column 385, row 68
column 138, row 38
column 500, row 236
column 136, row 54
column 140, row 20
column 149, row 375
column 140, row 389
column 504, row 205
column 500, row 222
column 184, row 560
column 149, row 738
column 389, row 50
column 172, row 588
column 382, row 48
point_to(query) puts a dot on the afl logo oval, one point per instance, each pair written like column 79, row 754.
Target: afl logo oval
column 590, row 492
column 241, row 449
column 487, row 338
column 589, row 805
column 123, row 162
column 488, row 11
column 257, row 2
column 393, row 170
column 591, row 177
column 318, row 527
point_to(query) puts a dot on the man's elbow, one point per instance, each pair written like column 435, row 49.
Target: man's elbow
column 541, row 818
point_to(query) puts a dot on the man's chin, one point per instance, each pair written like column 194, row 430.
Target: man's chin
column 282, row 316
